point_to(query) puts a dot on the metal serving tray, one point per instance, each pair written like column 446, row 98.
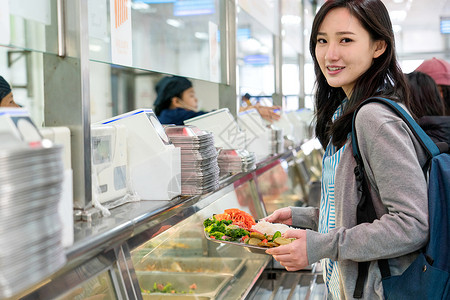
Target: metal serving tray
column 208, row 285
column 179, row 247
column 216, row 265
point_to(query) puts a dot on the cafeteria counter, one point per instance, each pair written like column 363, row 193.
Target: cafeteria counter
column 157, row 249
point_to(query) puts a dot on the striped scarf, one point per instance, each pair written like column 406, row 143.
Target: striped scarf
column 327, row 217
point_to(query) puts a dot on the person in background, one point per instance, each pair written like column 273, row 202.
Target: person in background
column 176, row 100
column 6, row 95
column 353, row 49
column 428, row 107
column 268, row 113
column 246, row 100
column 439, row 70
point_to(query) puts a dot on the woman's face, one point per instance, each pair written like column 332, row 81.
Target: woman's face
column 8, row 101
column 344, row 49
column 189, row 100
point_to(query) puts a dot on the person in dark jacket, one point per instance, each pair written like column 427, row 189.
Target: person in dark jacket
column 6, row 95
column 176, row 100
column 428, row 106
column 439, row 70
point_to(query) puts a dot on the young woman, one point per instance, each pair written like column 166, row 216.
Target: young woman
column 352, row 45
column 176, row 100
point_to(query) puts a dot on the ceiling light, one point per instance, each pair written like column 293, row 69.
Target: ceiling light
column 95, row 48
column 139, row 6
column 251, row 45
column 174, row 23
column 201, row 35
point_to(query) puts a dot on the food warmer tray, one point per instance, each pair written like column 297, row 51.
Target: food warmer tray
column 216, row 265
column 208, row 285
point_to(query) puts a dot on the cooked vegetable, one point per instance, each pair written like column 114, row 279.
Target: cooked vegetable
column 209, row 221
column 236, row 233
column 224, row 230
column 217, row 235
column 254, row 241
column 218, row 226
column 234, row 225
column 257, row 235
column 276, row 235
column 167, row 288
column 238, row 217
column 282, row 241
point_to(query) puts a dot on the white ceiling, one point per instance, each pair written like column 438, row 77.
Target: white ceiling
column 419, row 13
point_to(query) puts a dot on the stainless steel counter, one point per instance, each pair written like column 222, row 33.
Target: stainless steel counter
column 104, row 243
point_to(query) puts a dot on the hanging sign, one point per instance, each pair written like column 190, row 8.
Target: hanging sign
column 121, row 41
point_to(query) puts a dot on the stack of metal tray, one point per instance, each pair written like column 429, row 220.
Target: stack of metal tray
column 236, row 161
column 199, row 167
column 30, row 228
column 189, row 277
column 277, row 140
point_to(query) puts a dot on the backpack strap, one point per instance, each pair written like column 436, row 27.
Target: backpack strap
column 426, row 142
column 365, row 212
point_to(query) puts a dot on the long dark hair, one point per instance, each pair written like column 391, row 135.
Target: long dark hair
column 425, row 97
column 446, row 97
column 383, row 78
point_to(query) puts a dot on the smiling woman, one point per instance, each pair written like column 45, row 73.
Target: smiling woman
column 352, row 45
column 345, row 50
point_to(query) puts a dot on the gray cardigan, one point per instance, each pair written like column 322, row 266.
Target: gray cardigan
column 392, row 158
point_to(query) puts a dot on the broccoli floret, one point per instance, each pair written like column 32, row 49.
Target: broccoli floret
column 209, row 222
column 236, row 233
column 218, row 226
column 217, row 235
column 227, row 222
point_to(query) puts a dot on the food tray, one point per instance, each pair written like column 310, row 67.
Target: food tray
column 208, row 285
column 250, row 248
column 179, row 247
column 216, row 265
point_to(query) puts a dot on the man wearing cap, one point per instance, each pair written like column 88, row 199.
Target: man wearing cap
column 176, row 100
column 6, row 96
column 439, row 70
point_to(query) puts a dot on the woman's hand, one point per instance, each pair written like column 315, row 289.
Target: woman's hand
column 282, row 215
column 292, row 256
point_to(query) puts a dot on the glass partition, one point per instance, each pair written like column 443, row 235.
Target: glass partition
column 280, row 185
column 30, row 25
column 255, row 59
column 174, row 37
column 99, row 287
column 183, row 262
column 23, row 70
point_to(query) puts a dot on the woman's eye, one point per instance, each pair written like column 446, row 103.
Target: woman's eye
column 321, row 41
column 346, row 40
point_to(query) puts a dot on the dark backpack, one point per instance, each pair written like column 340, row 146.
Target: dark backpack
column 428, row 276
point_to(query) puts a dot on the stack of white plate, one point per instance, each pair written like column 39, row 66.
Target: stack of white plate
column 277, row 141
column 30, row 228
column 199, row 168
column 236, row 161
